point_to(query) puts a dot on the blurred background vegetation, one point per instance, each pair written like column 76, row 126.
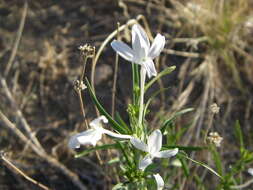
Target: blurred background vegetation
column 209, row 42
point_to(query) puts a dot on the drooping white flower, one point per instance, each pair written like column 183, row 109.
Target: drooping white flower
column 91, row 136
column 153, row 147
column 141, row 52
column 250, row 171
column 159, row 181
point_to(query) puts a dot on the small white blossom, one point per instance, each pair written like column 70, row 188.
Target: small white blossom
column 159, row 181
column 153, row 147
column 215, row 138
column 91, row 136
column 141, row 52
column 250, row 171
column 214, row 108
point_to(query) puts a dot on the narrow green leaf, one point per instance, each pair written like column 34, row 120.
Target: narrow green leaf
column 136, row 82
column 202, row 164
column 102, row 147
column 119, row 186
column 166, row 71
column 120, row 120
column 185, row 148
column 217, row 160
column 173, row 117
column 239, row 135
column 102, row 111
column 152, row 97
column 184, row 166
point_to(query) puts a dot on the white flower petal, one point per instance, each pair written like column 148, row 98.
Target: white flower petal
column 91, row 136
column 157, row 46
column 96, row 123
column 150, row 68
column 123, row 50
column 140, row 43
column 145, row 162
column 137, row 143
column 250, row 171
column 141, row 33
column 166, row 153
column 116, row 135
column 159, row 181
column 73, row 142
column 155, row 142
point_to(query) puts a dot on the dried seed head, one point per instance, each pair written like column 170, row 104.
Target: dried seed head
column 79, row 85
column 214, row 108
column 87, row 50
column 215, row 138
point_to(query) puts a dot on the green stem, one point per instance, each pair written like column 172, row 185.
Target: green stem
column 142, row 88
column 135, row 76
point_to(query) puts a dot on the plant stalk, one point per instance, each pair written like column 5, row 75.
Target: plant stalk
column 142, row 88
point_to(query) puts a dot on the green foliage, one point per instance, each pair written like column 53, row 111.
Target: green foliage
column 101, row 109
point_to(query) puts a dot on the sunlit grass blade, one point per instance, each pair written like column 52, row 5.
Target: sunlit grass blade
column 102, row 147
column 102, row 111
column 166, row 71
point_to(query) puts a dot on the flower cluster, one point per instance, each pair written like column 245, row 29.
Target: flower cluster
column 141, row 53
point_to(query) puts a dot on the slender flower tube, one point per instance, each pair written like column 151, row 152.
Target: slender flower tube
column 141, row 53
column 153, row 147
column 91, row 136
column 159, row 181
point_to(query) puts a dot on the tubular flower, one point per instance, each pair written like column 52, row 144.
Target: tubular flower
column 159, row 181
column 93, row 135
column 153, row 148
column 250, row 171
column 141, row 52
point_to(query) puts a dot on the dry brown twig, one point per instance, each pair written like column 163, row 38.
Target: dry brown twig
column 52, row 161
column 17, row 40
column 115, row 75
column 12, row 166
column 32, row 141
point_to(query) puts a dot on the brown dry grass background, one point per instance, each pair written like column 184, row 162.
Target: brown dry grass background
column 210, row 43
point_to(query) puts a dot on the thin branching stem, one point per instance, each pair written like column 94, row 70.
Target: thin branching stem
column 142, row 88
column 12, row 166
column 115, row 75
column 17, row 40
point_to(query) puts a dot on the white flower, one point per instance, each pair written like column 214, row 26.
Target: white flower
column 250, row 171
column 159, row 181
column 91, row 136
column 152, row 148
column 141, row 52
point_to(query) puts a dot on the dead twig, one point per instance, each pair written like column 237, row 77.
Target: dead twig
column 17, row 40
column 12, row 166
column 52, row 161
column 115, row 76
